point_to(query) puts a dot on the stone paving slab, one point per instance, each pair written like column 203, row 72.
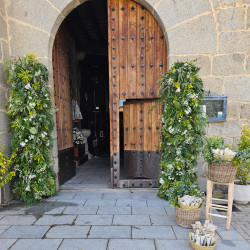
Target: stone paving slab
column 6, row 243
column 157, row 203
column 96, row 220
column 15, row 232
column 114, row 210
column 170, row 210
column 181, row 233
column 162, row 220
column 173, row 245
column 55, row 220
column 18, row 220
column 144, row 196
column 153, row 232
column 81, row 210
column 131, row 203
column 117, row 195
column 64, row 196
column 86, row 244
column 36, row 244
column 102, row 202
column 88, row 195
column 68, row 232
column 3, row 228
column 57, row 210
column 149, row 210
column 109, row 232
column 232, row 234
column 129, row 244
column 232, row 245
column 131, row 220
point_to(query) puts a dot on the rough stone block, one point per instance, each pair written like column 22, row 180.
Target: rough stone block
column 121, row 220
column 216, row 3
column 231, row 18
column 3, row 28
column 149, row 210
column 68, row 232
column 26, row 12
column 248, row 64
column 248, row 18
column 203, row 62
column 245, row 111
column 228, row 2
column 239, row 41
column 194, row 37
column 153, row 232
column 131, row 244
column 228, row 64
column 2, row 8
column 86, row 244
column 96, row 220
column 174, row 12
column 56, row 220
column 233, row 110
column 202, row 184
column 36, row 244
column 173, row 244
column 245, row 1
column 163, row 220
column 237, row 88
column 214, row 84
column 66, row 6
column 33, row 41
column 25, row 232
column 18, row 220
column 110, row 232
column 230, row 128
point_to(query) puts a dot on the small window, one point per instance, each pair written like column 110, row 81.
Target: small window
column 215, row 108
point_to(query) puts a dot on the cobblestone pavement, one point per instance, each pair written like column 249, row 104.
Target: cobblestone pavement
column 241, row 221
column 103, row 219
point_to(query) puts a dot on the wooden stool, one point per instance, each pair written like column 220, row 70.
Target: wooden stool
column 210, row 205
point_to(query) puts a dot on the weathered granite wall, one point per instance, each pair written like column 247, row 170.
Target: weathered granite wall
column 215, row 32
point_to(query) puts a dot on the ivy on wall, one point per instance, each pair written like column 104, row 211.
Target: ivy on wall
column 31, row 124
column 183, row 124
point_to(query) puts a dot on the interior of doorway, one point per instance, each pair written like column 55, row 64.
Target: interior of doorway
column 86, row 29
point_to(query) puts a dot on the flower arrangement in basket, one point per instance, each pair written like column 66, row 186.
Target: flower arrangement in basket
column 188, row 200
column 204, row 236
column 220, row 160
column 77, row 136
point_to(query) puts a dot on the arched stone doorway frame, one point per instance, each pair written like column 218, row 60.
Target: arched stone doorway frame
column 150, row 5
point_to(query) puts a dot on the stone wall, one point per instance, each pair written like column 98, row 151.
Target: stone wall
column 215, row 32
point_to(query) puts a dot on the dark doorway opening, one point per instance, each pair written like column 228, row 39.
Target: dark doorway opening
column 86, row 33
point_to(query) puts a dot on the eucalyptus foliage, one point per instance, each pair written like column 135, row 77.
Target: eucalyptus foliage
column 31, row 123
column 183, row 124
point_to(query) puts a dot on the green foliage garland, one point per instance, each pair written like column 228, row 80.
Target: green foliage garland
column 31, row 124
column 183, row 124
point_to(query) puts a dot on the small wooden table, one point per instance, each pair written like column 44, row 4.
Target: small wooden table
column 227, row 208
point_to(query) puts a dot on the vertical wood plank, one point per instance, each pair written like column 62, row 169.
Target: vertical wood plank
column 132, row 49
column 155, row 128
column 140, row 125
column 133, row 128
column 123, row 48
column 141, row 55
column 147, row 126
column 126, row 122
column 149, row 54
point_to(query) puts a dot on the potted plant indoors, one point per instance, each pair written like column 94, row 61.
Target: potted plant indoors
column 242, row 159
column 188, row 201
column 220, row 160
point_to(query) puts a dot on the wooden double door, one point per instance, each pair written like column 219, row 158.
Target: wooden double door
column 137, row 57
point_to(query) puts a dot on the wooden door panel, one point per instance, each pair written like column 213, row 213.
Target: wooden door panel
column 141, row 139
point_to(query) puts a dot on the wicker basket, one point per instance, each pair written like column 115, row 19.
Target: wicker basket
column 224, row 173
column 224, row 157
column 187, row 207
column 197, row 247
column 186, row 217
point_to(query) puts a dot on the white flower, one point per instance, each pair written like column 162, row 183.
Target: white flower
column 26, row 140
column 32, row 105
column 25, row 119
column 31, row 137
column 161, row 181
column 30, row 97
column 171, row 129
column 27, row 188
column 48, row 143
column 188, row 111
column 22, row 144
column 178, row 90
column 28, row 86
